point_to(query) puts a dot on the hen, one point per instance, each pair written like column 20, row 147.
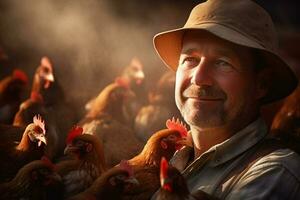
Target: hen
column 161, row 107
column 146, row 165
column 37, row 180
column 88, row 162
column 110, row 185
column 174, row 187
column 31, row 147
column 28, row 109
column 134, row 76
column 12, row 92
column 107, row 120
column 54, row 100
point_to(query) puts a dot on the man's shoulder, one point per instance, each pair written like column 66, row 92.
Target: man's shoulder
column 283, row 158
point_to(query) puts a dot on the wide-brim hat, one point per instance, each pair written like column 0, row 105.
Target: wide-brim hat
column 241, row 22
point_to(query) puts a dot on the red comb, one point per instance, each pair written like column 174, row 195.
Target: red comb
column 74, row 132
column 36, row 97
column 48, row 162
column 178, row 126
column 124, row 164
column 123, row 82
column 20, row 75
column 38, row 120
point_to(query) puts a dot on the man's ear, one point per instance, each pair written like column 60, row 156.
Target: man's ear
column 263, row 82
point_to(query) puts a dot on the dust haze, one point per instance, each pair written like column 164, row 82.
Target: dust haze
column 89, row 42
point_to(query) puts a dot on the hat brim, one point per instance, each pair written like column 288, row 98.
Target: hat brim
column 168, row 45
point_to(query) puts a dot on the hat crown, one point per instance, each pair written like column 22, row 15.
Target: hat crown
column 243, row 16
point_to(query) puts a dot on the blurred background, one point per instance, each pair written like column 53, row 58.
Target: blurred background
column 90, row 41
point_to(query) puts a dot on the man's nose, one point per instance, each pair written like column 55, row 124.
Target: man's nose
column 201, row 74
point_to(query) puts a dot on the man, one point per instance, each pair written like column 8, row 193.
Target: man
column 227, row 66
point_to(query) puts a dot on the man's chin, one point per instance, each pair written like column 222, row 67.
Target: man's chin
column 204, row 122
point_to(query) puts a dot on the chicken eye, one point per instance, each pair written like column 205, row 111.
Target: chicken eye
column 172, row 137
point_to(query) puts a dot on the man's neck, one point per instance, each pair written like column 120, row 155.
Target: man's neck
column 205, row 139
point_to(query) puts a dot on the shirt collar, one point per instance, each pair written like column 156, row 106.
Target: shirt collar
column 239, row 142
column 230, row 148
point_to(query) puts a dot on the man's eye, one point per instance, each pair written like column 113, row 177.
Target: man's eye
column 190, row 61
column 224, row 65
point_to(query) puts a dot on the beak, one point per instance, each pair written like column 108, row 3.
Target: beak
column 132, row 181
column 50, row 77
column 41, row 139
column 70, row 149
column 185, row 141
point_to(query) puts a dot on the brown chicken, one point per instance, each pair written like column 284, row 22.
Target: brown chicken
column 87, row 162
column 31, row 147
column 161, row 107
column 37, row 180
column 146, row 165
column 173, row 185
column 28, row 109
column 286, row 124
column 12, row 92
column 54, row 101
column 134, row 76
column 110, row 185
column 107, row 120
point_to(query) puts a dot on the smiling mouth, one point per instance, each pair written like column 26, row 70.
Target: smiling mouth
column 205, row 98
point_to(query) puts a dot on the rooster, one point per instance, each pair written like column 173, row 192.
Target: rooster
column 12, row 91
column 36, row 180
column 161, row 107
column 88, row 161
column 31, row 147
column 173, row 185
column 110, row 185
column 107, row 120
column 146, row 165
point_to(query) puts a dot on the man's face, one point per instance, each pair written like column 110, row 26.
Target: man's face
column 215, row 82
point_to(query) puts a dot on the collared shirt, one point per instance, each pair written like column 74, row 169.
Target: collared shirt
column 274, row 176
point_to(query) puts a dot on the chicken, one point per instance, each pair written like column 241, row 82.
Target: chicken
column 31, row 147
column 161, row 107
column 146, row 165
column 110, row 185
column 111, row 101
column 286, row 124
column 173, row 185
column 87, row 164
column 12, row 92
column 47, row 86
column 107, row 121
column 134, row 76
column 28, row 109
column 10, row 134
column 36, row 180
